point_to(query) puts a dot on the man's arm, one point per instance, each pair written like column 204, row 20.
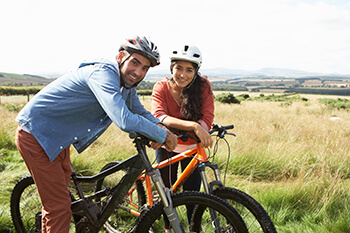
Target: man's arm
column 106, row 87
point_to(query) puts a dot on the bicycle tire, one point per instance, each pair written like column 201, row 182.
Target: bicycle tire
column 122, row 221
column 25, row 207
column 152, row 219
column 253, row 214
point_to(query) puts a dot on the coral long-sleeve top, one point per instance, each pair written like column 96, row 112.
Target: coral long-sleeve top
column 164, row 104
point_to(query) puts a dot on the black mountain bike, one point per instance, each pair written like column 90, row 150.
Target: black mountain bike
column 91, row 208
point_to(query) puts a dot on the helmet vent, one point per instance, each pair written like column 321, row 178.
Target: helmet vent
column 132, row 41
column 143, row 46
column 187, row 53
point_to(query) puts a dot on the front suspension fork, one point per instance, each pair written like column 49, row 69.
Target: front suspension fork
column 164, row 194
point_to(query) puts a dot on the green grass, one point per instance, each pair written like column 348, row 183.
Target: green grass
column 293, row 159
column 337, row 103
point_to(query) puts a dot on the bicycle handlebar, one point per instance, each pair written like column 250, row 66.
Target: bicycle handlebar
column 222, row 130
column 218, row 128
column 132, row 135
column 184, row 134
column 139, row 138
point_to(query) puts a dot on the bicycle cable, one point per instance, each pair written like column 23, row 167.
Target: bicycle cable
column 215, row 150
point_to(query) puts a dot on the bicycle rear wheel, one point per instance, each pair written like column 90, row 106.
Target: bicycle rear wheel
column 25, row 207
column 226, row 216
column 127, row 214
column 253, row 214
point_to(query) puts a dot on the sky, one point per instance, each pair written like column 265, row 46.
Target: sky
column 54, row 36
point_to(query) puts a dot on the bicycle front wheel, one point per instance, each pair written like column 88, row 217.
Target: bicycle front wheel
column 226, row 218
column 253, row 214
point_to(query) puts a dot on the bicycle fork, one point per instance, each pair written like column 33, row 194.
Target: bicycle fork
column 164, row 194
column 208, row 190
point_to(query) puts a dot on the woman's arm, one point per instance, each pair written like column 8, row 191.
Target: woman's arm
column 199, row 130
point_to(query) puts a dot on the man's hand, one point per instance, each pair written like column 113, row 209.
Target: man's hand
column 170, row 141
column 156, row 145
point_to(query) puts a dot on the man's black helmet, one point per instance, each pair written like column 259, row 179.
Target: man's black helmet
column 143, row 46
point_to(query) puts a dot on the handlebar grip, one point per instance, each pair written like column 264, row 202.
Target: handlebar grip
column 132, row 135
column 228, row 127
column 220, row 128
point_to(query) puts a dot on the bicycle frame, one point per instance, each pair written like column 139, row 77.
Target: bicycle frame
column 85, row 206
column 199, row 159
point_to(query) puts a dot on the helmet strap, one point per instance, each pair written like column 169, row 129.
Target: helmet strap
column 194, row 78
column 126, row 55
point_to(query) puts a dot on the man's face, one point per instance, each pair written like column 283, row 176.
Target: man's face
column 134, row 69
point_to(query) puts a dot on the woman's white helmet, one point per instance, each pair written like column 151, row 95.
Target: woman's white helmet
column 188, row 53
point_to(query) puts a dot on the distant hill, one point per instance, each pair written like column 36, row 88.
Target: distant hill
column 10, row 79
column 214, row 74
column 155, row 75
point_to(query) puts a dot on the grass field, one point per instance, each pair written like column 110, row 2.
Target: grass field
column 292, row 158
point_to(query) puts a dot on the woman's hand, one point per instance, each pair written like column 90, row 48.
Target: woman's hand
column 203, row 135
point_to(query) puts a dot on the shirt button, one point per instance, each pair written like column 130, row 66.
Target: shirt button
column 61, row 147
column 89, row 130
column 75, row 138
column 101, row 120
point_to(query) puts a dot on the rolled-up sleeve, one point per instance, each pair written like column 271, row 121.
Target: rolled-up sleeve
column 104, row 83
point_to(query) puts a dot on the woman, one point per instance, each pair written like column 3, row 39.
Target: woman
column 185, row 102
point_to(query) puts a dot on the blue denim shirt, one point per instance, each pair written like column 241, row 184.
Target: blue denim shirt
column 79, row 106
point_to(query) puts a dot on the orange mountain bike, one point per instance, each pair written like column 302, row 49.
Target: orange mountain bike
column 142, row 197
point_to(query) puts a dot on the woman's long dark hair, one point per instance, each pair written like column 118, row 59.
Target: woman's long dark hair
column 191, row 95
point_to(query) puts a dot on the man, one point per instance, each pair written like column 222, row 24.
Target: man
column 76, row 109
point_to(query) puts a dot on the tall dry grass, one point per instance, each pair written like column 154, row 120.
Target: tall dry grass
column 291, row 158
column 297, row 140
column 294, row 159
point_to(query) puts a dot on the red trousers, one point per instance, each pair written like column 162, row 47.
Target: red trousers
column 51, row 179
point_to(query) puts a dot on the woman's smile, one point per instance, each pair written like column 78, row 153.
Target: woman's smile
column 183, row 73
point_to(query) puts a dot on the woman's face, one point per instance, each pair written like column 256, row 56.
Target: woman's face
column 183, row 73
